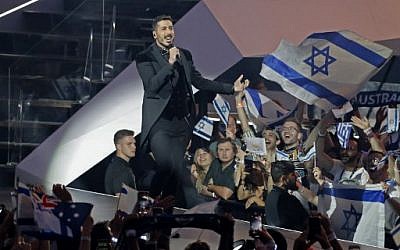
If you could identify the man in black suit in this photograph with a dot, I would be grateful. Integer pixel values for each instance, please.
(168, 74)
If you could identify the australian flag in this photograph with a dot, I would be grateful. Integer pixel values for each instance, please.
(58, 219)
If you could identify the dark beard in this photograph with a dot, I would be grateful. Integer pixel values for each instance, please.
(291, 185)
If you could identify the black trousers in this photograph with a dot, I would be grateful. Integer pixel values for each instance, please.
(168, 141)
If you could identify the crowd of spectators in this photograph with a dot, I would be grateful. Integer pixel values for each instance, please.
(281, 185)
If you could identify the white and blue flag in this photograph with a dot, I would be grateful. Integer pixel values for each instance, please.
(393, 120)
(222, 107)
(326, 69)
(343, 131)
(357, 212)
(25, 218)
(127, 200)
(204, 128)
(302, 157)
(260, 106)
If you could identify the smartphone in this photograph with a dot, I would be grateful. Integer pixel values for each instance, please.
(314, 226)
(255, 225)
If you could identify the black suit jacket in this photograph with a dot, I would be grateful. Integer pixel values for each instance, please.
(157, 77)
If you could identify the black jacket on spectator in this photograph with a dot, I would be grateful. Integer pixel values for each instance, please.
(118, 172)
(284, 210)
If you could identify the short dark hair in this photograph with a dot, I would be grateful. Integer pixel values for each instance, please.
(255, 177)
(292, 119)
(121, 134)
(281, 168)
(159, 19)
(223, 140)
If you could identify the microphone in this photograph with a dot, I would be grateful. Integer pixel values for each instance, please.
(177, 57)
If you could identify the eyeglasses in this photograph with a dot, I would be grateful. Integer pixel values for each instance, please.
(290, 129)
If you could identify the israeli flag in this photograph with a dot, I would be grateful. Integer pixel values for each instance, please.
(204, 128)
(222, 107)
(127, 200)
(259, 105)
(309, 156)
(326, 69)
(393, 120)
(357, 213)
(343, 131)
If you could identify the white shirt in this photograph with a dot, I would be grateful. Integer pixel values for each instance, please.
(358, 177)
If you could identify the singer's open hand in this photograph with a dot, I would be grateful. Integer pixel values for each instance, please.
(240, 84)
(173, 55)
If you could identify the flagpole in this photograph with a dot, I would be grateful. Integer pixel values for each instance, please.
(315, 157)
(119, 198)
(16, 201)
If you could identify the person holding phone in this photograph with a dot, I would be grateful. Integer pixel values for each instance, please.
(168, 73)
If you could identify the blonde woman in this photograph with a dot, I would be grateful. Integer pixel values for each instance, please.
(201, 162)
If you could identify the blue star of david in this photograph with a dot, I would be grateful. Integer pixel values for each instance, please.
(322, 68)
(350, 226)
(223, 109)
(201, 125)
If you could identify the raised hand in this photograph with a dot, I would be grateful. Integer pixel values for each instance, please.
(240, 84)
(62, 193)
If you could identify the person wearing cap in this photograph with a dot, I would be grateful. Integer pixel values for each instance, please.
(281, 208)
